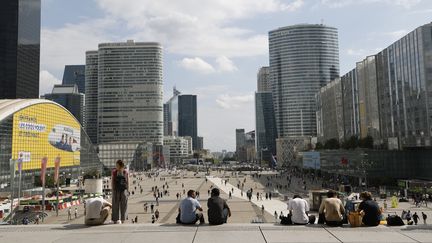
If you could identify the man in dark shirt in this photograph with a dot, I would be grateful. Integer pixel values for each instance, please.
(370, 208)
(218, 210)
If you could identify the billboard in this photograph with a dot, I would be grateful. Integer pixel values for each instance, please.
(311, 160)
(45, 130)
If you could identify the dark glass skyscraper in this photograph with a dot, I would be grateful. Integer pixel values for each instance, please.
(266, 132)
(75, 74)
(187, 118)
(19, 48)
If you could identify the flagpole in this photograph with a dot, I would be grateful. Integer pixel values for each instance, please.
(12, 175)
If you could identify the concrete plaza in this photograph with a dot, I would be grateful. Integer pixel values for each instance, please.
(238, 229)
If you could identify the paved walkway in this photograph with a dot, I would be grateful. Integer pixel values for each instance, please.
(270, 206)
(258, 233)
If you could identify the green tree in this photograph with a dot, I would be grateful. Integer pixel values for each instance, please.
(332, 143)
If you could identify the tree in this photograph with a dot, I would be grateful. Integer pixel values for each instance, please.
(332, 144)
(319, 146)
(366, 142)
(351, 143)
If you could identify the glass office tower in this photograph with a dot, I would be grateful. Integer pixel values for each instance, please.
(19, 48)
(303, 58)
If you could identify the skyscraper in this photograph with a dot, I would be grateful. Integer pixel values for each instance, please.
(263, 80)
(130, 92)
(70, 98)
(19, 48)
(266, 132)
(91, 98)
(241, 145)
(187, 118)
(303, 58)
(75, 74)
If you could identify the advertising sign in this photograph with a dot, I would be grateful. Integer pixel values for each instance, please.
(56, 168)
(311, 160)
(45, 130)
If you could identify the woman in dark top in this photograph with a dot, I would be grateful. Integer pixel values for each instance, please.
(370, 209)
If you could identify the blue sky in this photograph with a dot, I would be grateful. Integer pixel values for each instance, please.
(214, 48)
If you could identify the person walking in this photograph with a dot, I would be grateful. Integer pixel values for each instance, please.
(120, 189)
(415, 217)
(424, 216)
(69, 213)
(76, 212)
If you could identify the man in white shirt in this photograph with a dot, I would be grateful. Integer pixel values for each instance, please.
(190, 210)
(97, 211)
(298, 208)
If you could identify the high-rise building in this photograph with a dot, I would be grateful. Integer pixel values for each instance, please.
(329, 115)
(303, 58)
(19, 48)
(241, 145)
(171, 116)
(75, 74)
(266, 132)
(70, 98)
(130, 92)
(263, 80)
(91, 97)
(187, 118)
(200, 145)
(387, 96)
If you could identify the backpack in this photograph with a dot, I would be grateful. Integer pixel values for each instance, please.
(120, 182)
(286, 220)
(394, 220)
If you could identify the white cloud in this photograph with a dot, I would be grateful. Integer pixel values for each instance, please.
(46, 82)
(229, 102)
(191, 27)
(225, 64)
(343, 3)
(67, 45)
(197, 64)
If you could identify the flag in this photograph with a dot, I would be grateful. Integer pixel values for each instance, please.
(57, 168)
(43, 169)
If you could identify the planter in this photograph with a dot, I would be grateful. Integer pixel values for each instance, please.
(93, 186)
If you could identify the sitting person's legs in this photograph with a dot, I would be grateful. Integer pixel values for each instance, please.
(334, 223)
(312, 219)
(200, 217)
(225, 214)
(101, 220)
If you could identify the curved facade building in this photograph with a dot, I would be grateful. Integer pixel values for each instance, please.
(303, 58)
(130, 92)
(33, 130)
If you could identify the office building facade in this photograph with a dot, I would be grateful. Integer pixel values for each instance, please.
(265, 122)
(263, 80)
(70, 98)
(388, 95)
(91, 98)
(20, 22)
(130, 92)
(75, 74)
(303, 58)
(187, 118)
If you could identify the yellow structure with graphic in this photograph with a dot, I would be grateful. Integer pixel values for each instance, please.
(45, 130)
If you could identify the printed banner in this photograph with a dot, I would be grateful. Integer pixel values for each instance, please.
(57, 168)
(43, 169)
(45, 130)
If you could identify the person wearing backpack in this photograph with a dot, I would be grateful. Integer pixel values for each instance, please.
(120, 192)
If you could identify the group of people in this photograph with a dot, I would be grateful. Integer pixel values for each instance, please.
(190, 210)
(97, 209)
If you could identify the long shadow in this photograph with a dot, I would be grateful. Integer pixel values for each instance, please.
(74, 227)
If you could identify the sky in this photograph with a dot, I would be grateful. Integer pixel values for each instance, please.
(214, 48)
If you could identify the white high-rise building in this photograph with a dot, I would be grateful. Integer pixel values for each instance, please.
(130, 92)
